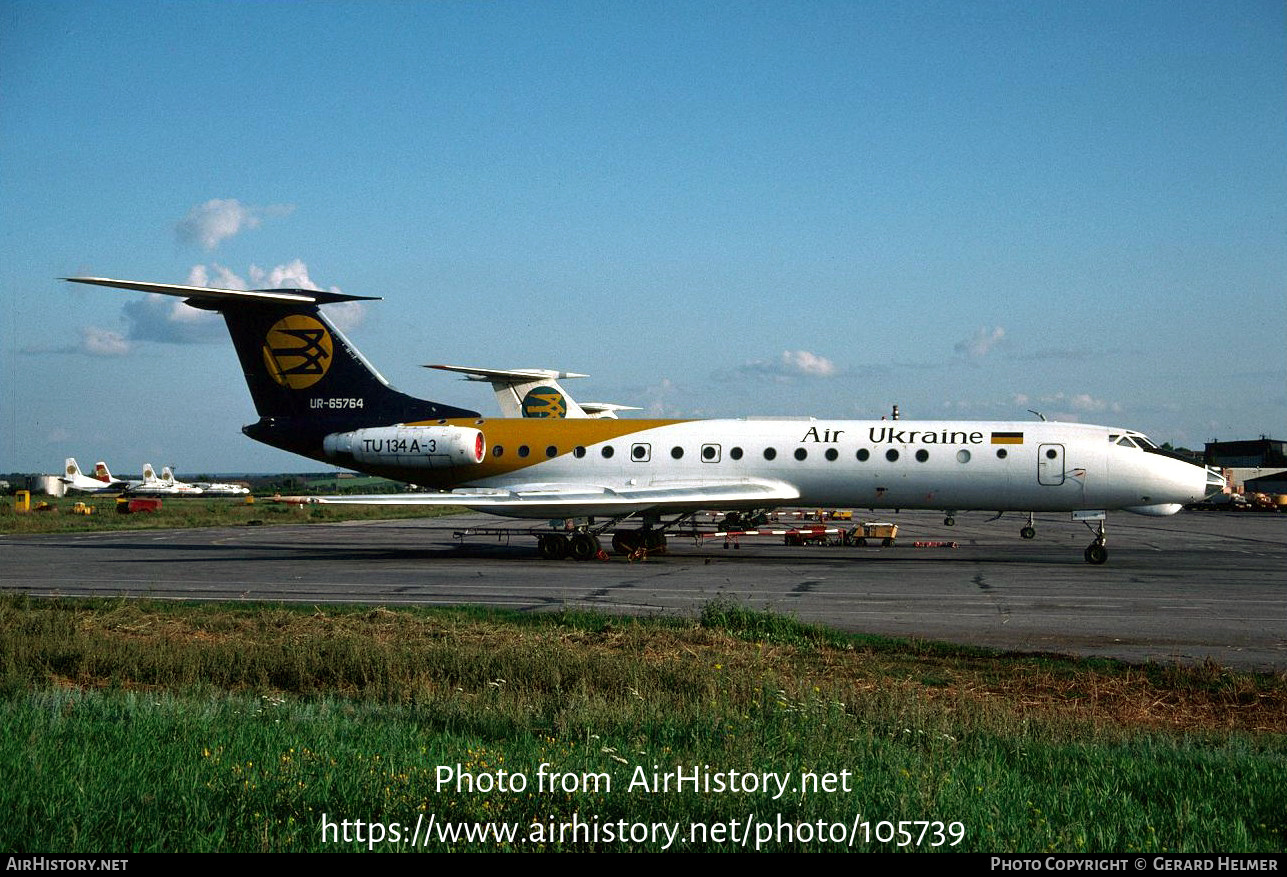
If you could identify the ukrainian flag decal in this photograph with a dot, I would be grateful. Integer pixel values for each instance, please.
(1007, 438)
(544, 402)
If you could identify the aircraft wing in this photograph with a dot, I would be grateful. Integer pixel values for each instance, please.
(575, 500)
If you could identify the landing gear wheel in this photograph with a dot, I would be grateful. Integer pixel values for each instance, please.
(1028, 532)
(1096, 553)
(731, 521)
(949, 521)
(553, 546)
(654, 541)
(627, 541)
(583, 546)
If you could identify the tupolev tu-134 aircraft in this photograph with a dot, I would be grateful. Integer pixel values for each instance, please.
(317, 396)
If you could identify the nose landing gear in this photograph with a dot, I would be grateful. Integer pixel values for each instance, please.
(1029, 532)
(1096, 553)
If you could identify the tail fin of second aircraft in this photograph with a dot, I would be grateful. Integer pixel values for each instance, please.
(306, 379)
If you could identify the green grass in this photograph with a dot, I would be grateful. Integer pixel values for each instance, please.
(127, 725)
(193, 512)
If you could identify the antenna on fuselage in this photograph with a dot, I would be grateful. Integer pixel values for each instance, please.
(1039, 414)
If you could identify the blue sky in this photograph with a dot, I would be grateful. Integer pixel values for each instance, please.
(714, 209)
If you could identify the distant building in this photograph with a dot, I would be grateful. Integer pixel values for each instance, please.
(1260, 453)
(1255, 466)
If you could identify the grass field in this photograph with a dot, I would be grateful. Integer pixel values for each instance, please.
(59, 517)
(132, 726)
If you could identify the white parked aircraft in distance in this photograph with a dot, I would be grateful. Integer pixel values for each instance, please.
(101, 481)
(535, 392)
(211, 488)
(165, 485)
(318, 396)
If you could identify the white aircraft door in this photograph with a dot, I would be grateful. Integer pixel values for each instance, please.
(1050, 465)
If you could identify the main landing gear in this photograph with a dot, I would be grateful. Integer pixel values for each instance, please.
(639, 543)
(583, 543)
(579, 545)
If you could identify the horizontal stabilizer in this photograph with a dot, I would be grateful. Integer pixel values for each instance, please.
(227, 296)
(512, 375)
(605, 408)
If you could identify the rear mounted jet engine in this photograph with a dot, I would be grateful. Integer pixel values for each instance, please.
(422, 447)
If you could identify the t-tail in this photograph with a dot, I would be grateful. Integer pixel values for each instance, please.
(306, 379)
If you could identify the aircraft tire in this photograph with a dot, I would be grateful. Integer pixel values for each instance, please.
(654, 541)
(626, 541)
(553, 546)
(583, 546)
(1028, 532)
(1096, 554)
(949, 521)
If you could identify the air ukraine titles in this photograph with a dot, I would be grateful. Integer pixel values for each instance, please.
(889, 435)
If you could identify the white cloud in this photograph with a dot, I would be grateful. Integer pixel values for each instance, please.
(1073, 405)
(980, 344)
(218, 219)
(224, 278)
(158, 317)
(346, 315)
(1087, 402)
(791, 364)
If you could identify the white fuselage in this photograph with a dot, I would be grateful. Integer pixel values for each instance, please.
(946, 465)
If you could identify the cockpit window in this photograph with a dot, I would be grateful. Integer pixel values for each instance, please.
(1113, 437)
(1125, 442)
(1143, 442)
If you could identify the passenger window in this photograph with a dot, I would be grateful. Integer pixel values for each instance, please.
(770, 453)
(801, 453)
(522, 450)
(607, 452)
(922, 455)
(832, 454)
(498, 451)
(891, 455)
(863, 455)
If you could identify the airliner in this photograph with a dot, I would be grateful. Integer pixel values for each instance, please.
(100, 482)
(165, 485)
(317, 396)
(535, 392)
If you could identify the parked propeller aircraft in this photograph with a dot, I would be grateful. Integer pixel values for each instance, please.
(101, 481)
(317, 396)
(166, 485)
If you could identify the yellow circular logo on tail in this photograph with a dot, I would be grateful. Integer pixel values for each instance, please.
(544, 402)
(297, 351)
